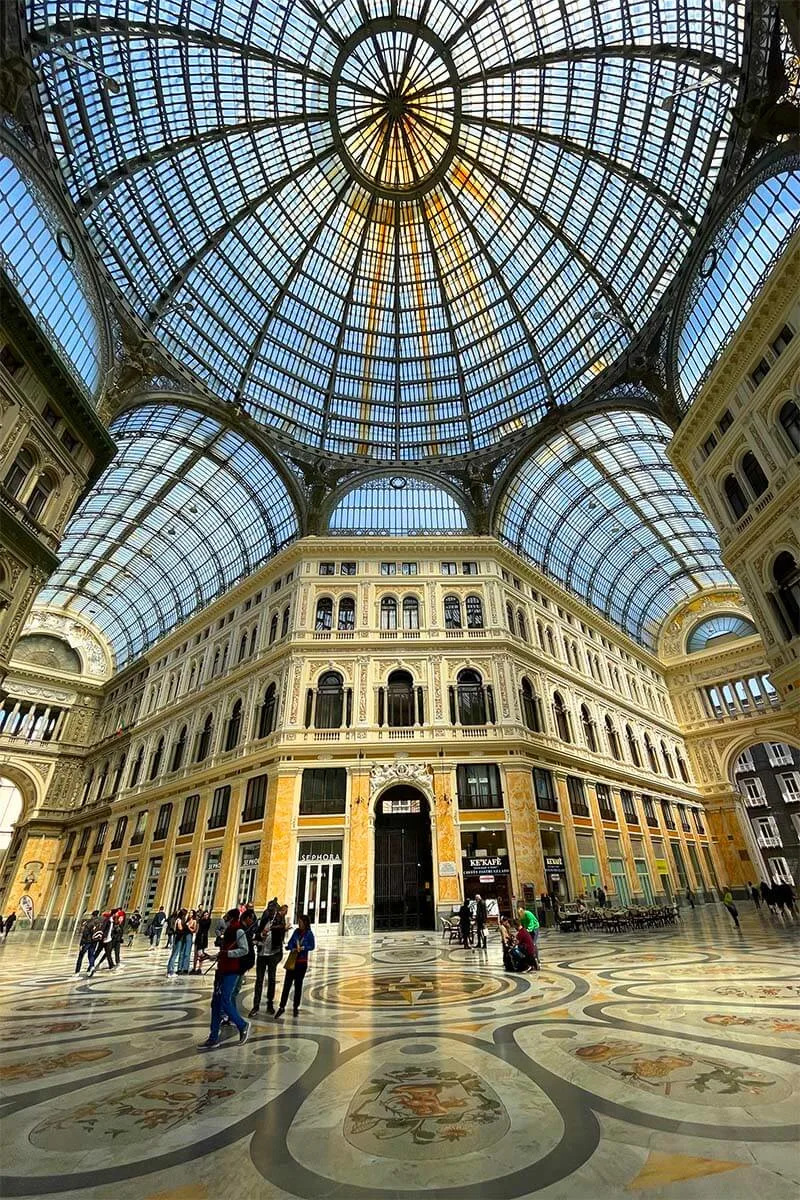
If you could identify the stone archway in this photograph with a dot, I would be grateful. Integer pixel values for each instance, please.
(403, 894)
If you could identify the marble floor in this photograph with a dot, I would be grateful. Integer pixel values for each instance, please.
(663, 1064)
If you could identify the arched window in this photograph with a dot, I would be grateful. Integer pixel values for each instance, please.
(330, 701)
(324, 617)
(452, 612)
(19, 471)
(346, 619)
(522, 625)
(101, 782)
(651, 754)
(87, 787)
(667, 757)
(42, 491)
(789, 417)
(136, 768)
(118, 774)
(242, 648)
(473, 699)
(540, 634)
(683, 770)
(285, 622)
(737, 501)
(612, 738)
(273, 628)
(531, 708)
(751, 468)
(179, 749)
(561, 717)
(155, 761)
(204, 740)
(216, 662)
(786, 575)
(510, 619)
(551, 645)
(474, 611)
(233, 728)
(633, 747)
(253, 640)
(266, 715)
(388, 613)
(192, 676)
(589, 735)
(400, 700)
(410, 612)
(225, 650)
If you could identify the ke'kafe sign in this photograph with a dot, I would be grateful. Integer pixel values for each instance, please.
(494, 865)
(553, 864)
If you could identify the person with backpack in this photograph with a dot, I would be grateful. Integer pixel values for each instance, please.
(134, 921)
(156, 925)
(117, 934)
(247, 920)
(233, 952)
(88, 942)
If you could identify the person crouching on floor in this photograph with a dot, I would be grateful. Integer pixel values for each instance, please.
(234, 950)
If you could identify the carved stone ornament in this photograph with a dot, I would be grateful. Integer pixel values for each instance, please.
(94, 656)
(416, 774)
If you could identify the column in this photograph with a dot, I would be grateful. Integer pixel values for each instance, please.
(599, 838)
(230, 851)
(279, 835)
(527, 846)
(357, 886)
(569, 840)
(448, 840)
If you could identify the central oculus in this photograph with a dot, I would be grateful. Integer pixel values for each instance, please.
(395, 104)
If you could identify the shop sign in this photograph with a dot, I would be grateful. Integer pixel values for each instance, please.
(319, 858)
(249, 862)
(554, 863)
(478, 866)
(448, 869)
(486, 878)
(662, 866)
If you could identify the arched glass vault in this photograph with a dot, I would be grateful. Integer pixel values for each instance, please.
(397, 505)
(393, 232)
(600, 508)
(186, 508)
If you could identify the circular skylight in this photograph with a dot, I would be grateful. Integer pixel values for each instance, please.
(397, 232)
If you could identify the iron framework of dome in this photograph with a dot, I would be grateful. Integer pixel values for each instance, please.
(396, 230)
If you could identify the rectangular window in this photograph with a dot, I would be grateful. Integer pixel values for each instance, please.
(790, 785)
(469, 568)
(544, 790)
(51, 417)
(605, 802)
(629, 807)
(782, 340)
(388, 568)
(219, 807)
(576, 790)
(255, 798)
(327, 568)
(162, 823)
(137, 837)
(478, 785)
(449, 568)
(684, 818)
(248, 871)
(9, 360)
(119, 833)
(408, 568)
(779, 754)
(780, 871)
(753, 791)
(709, 444)
(698, 820)
(650, 812)
(208, 888)
(101, 837)
(761, 371)
(725, 421)
(70, 842)
(323, 791)
(347, 568)
(129, 880)
(666, 809)
(189, 816)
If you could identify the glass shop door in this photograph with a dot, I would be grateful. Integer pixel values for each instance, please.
(319, 887)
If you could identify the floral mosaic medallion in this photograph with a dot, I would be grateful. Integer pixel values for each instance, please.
(414, 988)
(24, 1032)
(763, 991)
(789, 1025)
(52, 1064)
(126, 1116)
(683, 1075)
(426, 1111)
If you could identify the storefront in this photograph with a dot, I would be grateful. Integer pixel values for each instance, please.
(619, 877)
(662, 868)
(248, 872)
(318, 892)
(590, 871)
(555, 867)
(645, 884)
(485, 869)
(680, 864)
(179, 883)
(208, 888)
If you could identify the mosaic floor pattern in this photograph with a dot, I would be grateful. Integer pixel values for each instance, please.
(663, 1064)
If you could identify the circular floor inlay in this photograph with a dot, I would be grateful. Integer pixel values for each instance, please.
(417, 989)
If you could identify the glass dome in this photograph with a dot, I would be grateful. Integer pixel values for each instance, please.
(39, 259)
(393, 231)
(735, 267)
(600, 508)
(186, 509)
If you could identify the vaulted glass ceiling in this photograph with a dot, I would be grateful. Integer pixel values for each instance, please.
(600, 508)
(186, 508)
(397, 505)
(392, 228)
(717, 629)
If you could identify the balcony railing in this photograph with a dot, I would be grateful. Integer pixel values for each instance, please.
(755, 801)
(769, 840)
